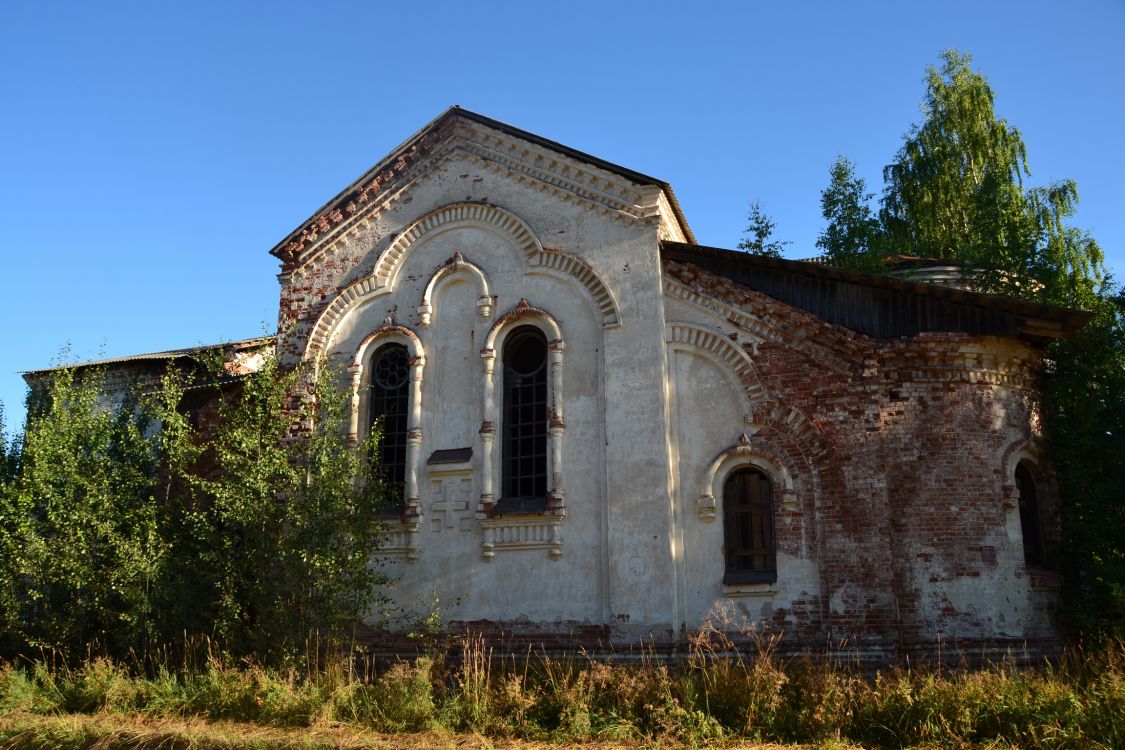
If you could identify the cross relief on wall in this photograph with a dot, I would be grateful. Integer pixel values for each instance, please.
(451, 501)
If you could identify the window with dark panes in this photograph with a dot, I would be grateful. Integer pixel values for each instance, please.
(1034, 548)
(525, 421)
(390, 391)
(751, 556)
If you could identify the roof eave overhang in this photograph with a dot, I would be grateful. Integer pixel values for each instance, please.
(1041, 322)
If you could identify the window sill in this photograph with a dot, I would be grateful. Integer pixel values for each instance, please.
(738, 590)
(523, 532)
(522, 507)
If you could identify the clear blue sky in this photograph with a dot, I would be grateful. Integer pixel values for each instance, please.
(151, 153)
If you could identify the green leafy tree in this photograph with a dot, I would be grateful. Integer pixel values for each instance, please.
(9, 453)
(78, 521)
(851, 238)
(1084, 391)
(759, 230)
(954, 189)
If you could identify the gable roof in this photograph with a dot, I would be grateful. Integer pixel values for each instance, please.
(408, 146)
(881, 306)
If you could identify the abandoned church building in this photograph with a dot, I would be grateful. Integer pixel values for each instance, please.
(605, 432)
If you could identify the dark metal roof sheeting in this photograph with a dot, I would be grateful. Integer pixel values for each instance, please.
(880, 306)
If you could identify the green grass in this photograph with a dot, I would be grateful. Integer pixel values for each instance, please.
(717, 696)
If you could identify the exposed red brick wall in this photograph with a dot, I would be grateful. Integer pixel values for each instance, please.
(913, 485)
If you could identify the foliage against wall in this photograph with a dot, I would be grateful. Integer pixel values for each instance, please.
(124, 535)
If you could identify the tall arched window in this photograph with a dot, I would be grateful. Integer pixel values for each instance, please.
(525, 422)
(390, 387)
(751, 555)
(1034, 546)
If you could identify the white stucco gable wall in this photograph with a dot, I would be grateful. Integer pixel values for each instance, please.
(597, 276)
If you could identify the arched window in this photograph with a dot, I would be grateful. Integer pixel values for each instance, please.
(751, 556)
(390, 387)
(525, 422)
(1034, 547)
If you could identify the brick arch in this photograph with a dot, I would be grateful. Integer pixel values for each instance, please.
(349, 298)
(735, 360)
(793, 424)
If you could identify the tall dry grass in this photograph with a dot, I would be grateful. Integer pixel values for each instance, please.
(718, 693)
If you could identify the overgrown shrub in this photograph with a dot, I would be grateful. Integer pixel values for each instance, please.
(124, 525)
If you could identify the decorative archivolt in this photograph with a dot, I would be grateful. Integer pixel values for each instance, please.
(737, 361)
(382, 280)
(554, 259)
(459, 215)
(740, 455)
(522, 312)
(456, 264)
(351, 296)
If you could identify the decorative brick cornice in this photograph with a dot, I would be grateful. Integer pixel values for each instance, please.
(548, 171)
(356, 202)
(959, 358)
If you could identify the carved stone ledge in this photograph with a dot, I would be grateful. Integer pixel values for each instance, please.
(526, 533)
(400, 539)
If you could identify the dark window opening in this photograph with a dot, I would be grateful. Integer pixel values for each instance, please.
(1031, 522)
(390, 390)
(525, 423)
(748, 537)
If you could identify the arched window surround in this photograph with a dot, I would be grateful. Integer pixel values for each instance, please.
(523, 314)
(360, 405)
(1028, 456)
(743, 455)
(457, 265)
